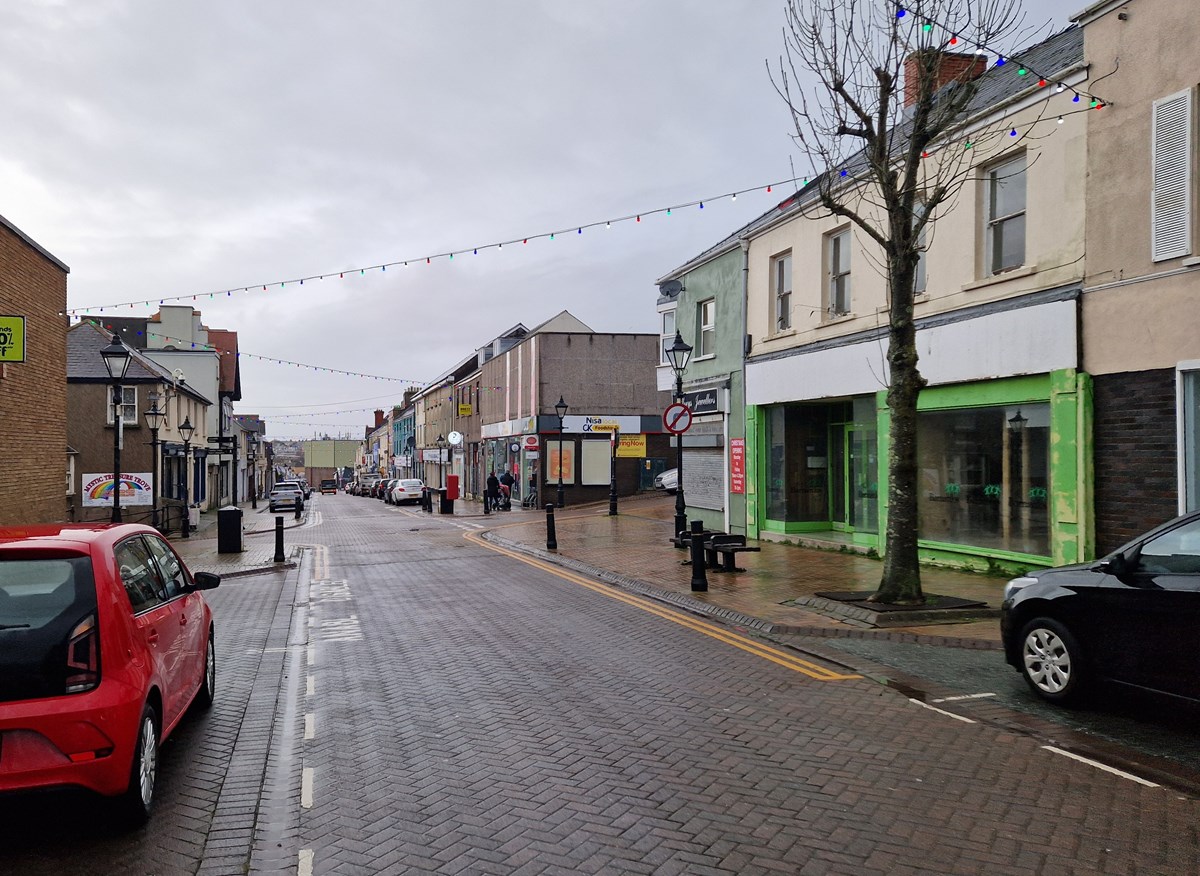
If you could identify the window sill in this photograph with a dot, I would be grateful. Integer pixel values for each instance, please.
(1192, 262)
(837, 320)
(786, 333)
(704, 358)
(919, 298)
(1014, 274)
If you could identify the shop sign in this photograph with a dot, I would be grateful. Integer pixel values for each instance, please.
(12, 339)
(465, 410)
(601, 425)
(632, 447)
(135, 490)
(707, 401)
(737, 465)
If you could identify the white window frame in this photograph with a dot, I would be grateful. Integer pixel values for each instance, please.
(1172, 135)
(666, 336)
(838, 287)
(70, 474)
(1185, 418)
(781, 282)
(129, 407)
(706, 328)
(993, 223)
(921, 275)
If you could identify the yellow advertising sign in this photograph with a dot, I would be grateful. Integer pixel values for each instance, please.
(464, 410)
(604, 427)
(632, 446)
(12, 339)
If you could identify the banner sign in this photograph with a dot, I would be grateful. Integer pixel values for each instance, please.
(737, 465)
(632, 447)
(12, 339)
(97, 490)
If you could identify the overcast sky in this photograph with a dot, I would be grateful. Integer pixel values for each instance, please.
(180, 148)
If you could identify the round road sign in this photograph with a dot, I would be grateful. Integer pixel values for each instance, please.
(677, 418)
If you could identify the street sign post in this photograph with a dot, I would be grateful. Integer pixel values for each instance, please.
(677, 418)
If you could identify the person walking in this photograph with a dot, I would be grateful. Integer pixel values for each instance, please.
(493, 490)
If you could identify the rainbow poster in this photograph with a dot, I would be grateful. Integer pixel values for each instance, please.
(97, 490)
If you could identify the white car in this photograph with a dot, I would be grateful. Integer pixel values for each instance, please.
(668, 480)
(406, 490)
(288, 496)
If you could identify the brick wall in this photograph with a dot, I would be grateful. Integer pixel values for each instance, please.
(1135, 454)
(33, 394)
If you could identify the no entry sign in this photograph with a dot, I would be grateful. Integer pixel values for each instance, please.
(677, 418)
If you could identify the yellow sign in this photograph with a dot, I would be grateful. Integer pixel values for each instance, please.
(605, 427)
(632, 446)
(12, 339)
(464, 410)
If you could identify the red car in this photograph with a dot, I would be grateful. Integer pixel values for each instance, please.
(105, 640)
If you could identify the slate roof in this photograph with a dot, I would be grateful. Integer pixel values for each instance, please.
(995, 86)
(84, 364)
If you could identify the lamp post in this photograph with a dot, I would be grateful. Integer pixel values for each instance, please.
(116, 358)
(154, 419)
(252, 446)
(186, 429)
(614, 438)
(561, 410)
(678, 355)
(441, 445)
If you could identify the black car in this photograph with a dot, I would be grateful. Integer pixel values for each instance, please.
(1130, 618)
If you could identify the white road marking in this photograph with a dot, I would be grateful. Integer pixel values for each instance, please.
(312, 686)
(310, 726)
(306, 788)
(941, 711)
(312, 655)
(977, 696)
(1102, 766)
(304, 866)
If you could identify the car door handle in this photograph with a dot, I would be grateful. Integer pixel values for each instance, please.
(152, 636)
(183, 620)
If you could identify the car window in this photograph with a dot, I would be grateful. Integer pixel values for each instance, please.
(139, 574)
(173, 571)
(1175, 551)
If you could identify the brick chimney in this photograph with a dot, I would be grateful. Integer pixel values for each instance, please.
(952, 67)
(378, 418)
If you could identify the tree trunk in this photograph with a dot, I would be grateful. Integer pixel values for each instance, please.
(901, 581)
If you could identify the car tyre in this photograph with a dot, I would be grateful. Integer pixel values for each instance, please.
(1052, 662)
(208, 683)
(138, 799)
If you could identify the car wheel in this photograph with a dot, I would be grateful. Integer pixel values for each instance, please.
(208, 685)
(1052, 661)
(138, 798)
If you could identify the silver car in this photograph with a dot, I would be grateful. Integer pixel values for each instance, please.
(288, 496)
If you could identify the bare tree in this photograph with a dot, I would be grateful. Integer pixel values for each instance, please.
(885, 128)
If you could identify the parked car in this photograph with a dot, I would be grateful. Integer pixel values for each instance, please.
(406, 490)
(329, 487)
(105, 642)
(1129, 618)
(301, 485)
(377, 489)
(668, 480)
(385, 489)
(285, 495)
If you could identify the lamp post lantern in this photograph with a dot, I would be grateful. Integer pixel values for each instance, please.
(116, 358)
(678, 355)
(252, 446)
(186, 429)
(561, 410)
(154, 419)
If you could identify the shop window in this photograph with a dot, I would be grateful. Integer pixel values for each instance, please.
(984, 477)
(798, 464)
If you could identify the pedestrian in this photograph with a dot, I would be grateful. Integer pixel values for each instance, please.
(493, 490)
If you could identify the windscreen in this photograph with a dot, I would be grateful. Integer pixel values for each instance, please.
(41, 602)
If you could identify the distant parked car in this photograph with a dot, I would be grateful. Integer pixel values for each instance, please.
(406, 490)
(1129, 618)
(385, 489)
(287, 496)
(668, 480)
(329, 486)
(105, 642)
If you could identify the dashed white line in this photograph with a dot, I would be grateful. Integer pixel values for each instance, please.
(1102, 766)
(941, 711)
(304, 867)
(977, 696)
(312, 655)
(312, 686)
(310, 726)
(306, 788)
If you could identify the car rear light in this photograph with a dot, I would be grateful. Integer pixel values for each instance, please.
(83, 656)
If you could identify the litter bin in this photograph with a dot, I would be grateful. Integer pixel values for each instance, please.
(229, 530)
(447, 504)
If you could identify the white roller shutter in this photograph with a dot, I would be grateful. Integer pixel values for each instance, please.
(704, 477)
(1170, 197)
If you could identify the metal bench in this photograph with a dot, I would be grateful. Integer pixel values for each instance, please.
(728, 547)
(684, 539)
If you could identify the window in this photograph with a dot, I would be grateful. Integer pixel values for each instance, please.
(1005, 201)
(668, 335)
(920, 280)
(707, 323)
(1170, 198)
(1188, 407)
(168, 564)
(70, 474)
(838, 258)
(1174, 552)
(139, 575)
(129, 415)
(781, 278)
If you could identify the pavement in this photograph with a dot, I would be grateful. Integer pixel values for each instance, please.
(774, 594)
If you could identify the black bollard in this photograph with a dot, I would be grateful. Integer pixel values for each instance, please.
(551, 535)
(486, 498)
(279, 558)
(298, 509)
(699, 579)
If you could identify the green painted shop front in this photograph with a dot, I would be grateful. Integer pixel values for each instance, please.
(1004, 476)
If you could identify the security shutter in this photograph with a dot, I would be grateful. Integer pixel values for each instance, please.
(704, 477)
(1170, 199)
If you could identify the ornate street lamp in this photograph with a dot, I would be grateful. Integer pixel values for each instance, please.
(561, 410)
(186, 429)
(252, 447)
(116, 358)
(442, 456)
(154, 419)
(678, 355)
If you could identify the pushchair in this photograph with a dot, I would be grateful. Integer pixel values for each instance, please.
(502, 501)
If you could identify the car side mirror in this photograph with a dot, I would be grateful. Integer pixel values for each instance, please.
(1115, 565)
(205, 580)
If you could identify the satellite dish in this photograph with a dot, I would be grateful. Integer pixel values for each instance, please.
(455, 438)
(671, 288)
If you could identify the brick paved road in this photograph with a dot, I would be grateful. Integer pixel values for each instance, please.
(470, 714)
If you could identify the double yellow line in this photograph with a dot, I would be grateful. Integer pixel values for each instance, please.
(750, 646)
